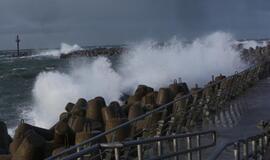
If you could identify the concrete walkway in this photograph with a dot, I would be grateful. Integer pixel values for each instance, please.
(256, 108)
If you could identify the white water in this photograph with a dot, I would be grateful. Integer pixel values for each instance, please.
(194, 63)
(53, 90)
(146, 63)
(253, 44)
(64, 49)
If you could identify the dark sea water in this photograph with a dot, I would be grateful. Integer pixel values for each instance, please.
(17, 79)
(17, 76)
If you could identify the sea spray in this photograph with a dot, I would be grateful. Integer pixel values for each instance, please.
(53, 90)
(154, 65)
(252, 43)
(64, 49)
(146, 63)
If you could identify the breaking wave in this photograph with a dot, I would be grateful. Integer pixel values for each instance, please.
(64, 49)
(147, 63)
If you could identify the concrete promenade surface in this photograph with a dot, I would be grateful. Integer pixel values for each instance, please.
(255, 107)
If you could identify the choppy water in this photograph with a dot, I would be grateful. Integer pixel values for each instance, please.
(17, 76)
(17, 79)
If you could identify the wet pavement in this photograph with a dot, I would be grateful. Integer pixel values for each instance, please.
(243, 119)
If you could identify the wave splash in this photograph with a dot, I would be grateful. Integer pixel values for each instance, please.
(64, 49)
(146, 63)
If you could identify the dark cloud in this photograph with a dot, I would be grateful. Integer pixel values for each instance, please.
(90, 22)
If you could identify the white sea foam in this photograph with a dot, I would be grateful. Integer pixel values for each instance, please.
(53, 90)
(11, 131)
(195, 62)
(64, 49)
(146, 63)
(253, 44)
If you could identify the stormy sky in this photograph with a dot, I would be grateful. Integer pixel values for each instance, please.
(47, 23)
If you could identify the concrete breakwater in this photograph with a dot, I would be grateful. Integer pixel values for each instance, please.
(94, 52)
(251, 54)
(256, 55)
(85, 119)
(174, 109)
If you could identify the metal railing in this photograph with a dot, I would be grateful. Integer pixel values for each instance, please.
(244, 149)
(182, 113)
(163, 147)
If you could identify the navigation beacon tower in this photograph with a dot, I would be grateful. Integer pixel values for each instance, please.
(18, 45)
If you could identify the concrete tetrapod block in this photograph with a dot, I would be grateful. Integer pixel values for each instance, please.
(31, 148)
(20, 134)
(4, 138)
(120, 134)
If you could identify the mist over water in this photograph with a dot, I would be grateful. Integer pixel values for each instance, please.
(146, 63)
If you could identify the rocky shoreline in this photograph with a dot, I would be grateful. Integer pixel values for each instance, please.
(85, 119)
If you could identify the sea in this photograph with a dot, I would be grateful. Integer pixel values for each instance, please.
(17, 76)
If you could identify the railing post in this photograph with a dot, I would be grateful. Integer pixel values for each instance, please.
(236, 151)
(159, 147)
(245, 150)
(175, 148)
(198, 143)
(266, 141)
(116, 153)
(140, 152)
(189, 155)
(254, 149)
(113, 136)
(214, 137)
(263, 144)
(100, 153)
(78, 150)
(171, 123)
(261, 148)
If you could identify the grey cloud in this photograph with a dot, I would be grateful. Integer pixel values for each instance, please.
(88, 22)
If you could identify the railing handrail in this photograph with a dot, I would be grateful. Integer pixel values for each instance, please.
(153, 139)
(162, 107)
(220, 150)
(183, 152)
(132, 143)
(93, 148)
